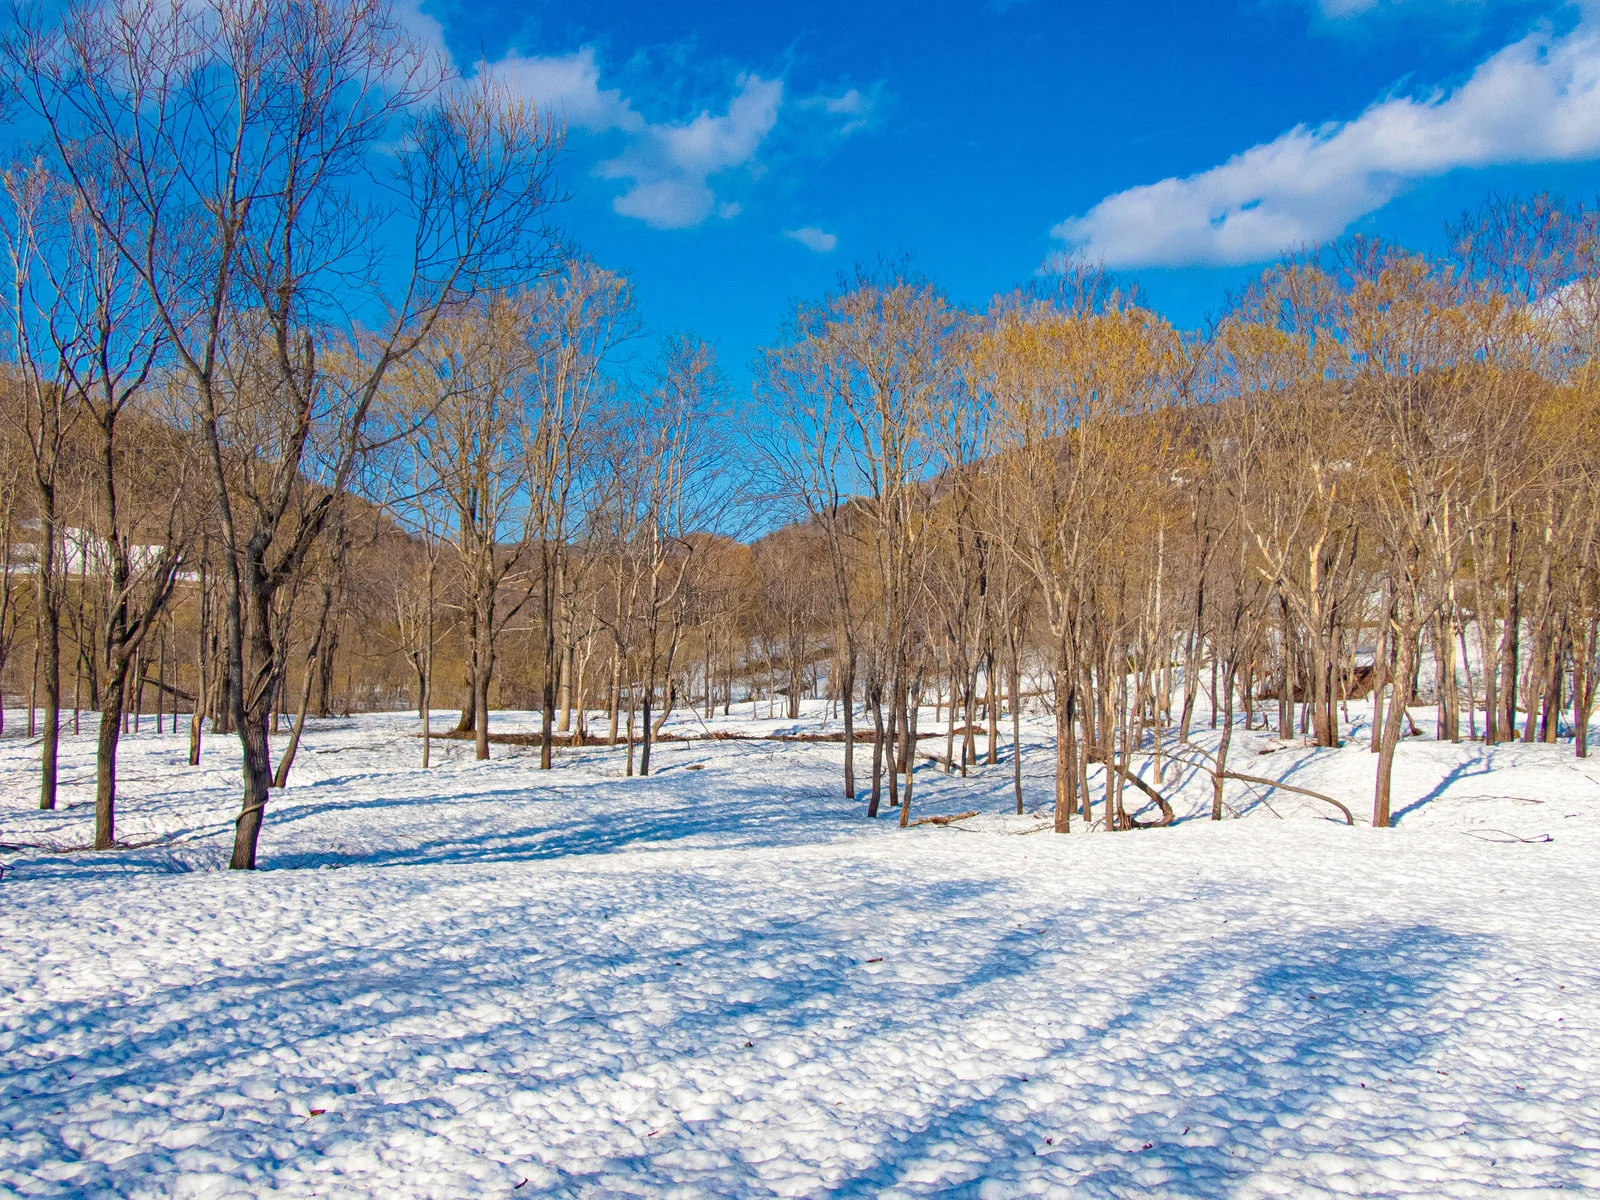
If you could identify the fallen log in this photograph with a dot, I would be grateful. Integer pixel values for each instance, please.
(170, 689)
(943, 820)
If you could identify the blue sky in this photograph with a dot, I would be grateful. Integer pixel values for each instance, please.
(735, 157)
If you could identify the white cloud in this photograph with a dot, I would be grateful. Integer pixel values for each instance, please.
(813, 238)
(851, 103)
(668, 167)
(1537, 100)
(424, 30)
(1339, 10)
(568, 87)
(1346, 8)
(853, 106)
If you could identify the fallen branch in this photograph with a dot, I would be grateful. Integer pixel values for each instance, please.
(1270, 783)
(168, 688)
(46, 848)
(1505, 836)
(1289, 787)
(1161, 801)
(944, 820)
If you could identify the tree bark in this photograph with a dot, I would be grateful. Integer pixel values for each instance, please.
(50, 660)
(480, 713)
(1217, 778)
(1066, 750)
(644, 728)
(1394, 719)
(847, 690)
(313, 658)
(105, 783)
(875, 703)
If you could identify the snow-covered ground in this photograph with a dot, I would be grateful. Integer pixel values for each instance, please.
(483, 980)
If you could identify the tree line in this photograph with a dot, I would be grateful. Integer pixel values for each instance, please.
(309, 407)
(1374, 475)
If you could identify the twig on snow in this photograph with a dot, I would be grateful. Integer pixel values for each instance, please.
(1505, 836)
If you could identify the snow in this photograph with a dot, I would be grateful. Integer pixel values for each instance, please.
(726, 982)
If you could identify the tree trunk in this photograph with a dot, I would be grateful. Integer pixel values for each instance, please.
(969, 717)
(1214, 689)
(161, 679)
(249, 608)
(847, 697)
(33, 683)
(891, 743)
(950, 728)
(990, 695)
(1217, 778)
(1394, 719)
(669, 700)
(616, 695)
(644, 727)
(564, 699)
(1285, 674)
(197, 720)
(50, 666)
(796, 670)
(1016, 727)
(1066, 750)
(1510, 634)
(1446, 684)
(480, 712)
(1484, 601)
(281, 778)
(547, 724)
(875, 702)
(706, 672)
(77, 692)
(326, 662)
(580, 712)
(632, 700)
(549, 598)
(1583, 683)
(257, 781)
(105, 781)
(1324, 666)
(910, 751)
(1383, 652)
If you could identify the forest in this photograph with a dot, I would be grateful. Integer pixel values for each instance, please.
(310, 407)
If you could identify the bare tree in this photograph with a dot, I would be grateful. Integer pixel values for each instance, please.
(1408, 343)
(857, 382)
(273, 154)
(49, 409)
(467, 384)
(101, 340)
(12, 483)
(581, 316)
(666, 474)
